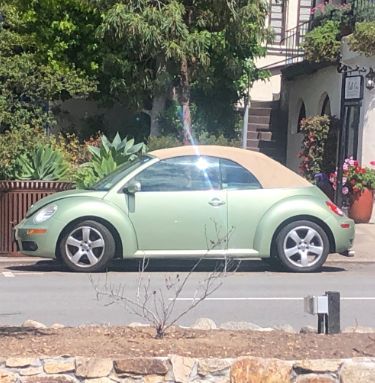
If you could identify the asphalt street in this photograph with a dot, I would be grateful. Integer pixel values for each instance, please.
(44, 291)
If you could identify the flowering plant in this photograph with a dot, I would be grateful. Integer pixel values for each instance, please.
(355, 177)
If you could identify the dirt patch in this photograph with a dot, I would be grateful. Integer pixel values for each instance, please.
(117, 342)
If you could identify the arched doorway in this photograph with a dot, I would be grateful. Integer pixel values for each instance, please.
(301, 116)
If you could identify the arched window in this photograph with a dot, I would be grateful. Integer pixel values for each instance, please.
(326, 107)
(301, 116)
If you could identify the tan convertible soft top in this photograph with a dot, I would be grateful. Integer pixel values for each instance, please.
(270, 173)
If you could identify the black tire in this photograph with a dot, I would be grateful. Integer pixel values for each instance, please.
(302, 246)
(87, 246)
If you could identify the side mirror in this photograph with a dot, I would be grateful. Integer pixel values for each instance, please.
(132, 187)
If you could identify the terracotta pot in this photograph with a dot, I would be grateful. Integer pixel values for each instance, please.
(361, 208)
(15, 198)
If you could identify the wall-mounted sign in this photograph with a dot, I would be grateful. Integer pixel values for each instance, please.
(353, 88)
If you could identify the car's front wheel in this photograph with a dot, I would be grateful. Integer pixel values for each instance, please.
(302, 246)
(87, 246)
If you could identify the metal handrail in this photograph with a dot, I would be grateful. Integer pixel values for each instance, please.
(363, 10)
(293, 40)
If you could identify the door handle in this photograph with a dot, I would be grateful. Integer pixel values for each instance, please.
(216, 202)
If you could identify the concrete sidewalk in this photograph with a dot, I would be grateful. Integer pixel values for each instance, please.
(364, 246)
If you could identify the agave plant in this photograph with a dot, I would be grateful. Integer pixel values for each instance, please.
(44, 163)
(120, 150)
(106, 158)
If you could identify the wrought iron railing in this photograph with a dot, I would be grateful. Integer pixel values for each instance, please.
(293, 42)
(363, 10)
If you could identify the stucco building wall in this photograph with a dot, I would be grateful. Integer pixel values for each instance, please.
(311, 90)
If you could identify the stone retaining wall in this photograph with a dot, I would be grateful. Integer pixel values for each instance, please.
(174, 368)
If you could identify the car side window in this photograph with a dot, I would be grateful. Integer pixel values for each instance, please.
(235, 176)
(186, 173)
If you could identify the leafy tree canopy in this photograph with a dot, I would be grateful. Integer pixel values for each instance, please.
(28, 81)
(155, 47)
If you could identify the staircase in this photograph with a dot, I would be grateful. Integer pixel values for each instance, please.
(263, 133)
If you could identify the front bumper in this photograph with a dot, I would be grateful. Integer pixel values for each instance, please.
(34, 240)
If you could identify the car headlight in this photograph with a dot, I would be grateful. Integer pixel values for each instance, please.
(45, 213)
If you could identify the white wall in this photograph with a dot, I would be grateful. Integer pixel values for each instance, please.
(311, 89)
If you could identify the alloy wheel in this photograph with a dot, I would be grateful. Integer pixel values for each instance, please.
(303, 246)
(85, 246)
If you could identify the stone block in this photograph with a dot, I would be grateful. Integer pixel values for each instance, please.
(315, 378)
(141, 366)
(58, 365)
(204, 324)
(213, 366)
(93, 367)
(184, 368)
(49, 379)
(19, 362)
(31, 371)
(318, 365)
(7, 376)
(258, 370)
(353, 371)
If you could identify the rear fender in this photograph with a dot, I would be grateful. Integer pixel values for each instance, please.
(285, 211)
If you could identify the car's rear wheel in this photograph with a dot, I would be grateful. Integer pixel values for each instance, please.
(87, 246)
(302, 246)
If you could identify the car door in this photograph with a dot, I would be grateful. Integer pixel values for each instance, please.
(180, 208)
(246, 205)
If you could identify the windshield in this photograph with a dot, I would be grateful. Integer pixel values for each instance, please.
(122, 171)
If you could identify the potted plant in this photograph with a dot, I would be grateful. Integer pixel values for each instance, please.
(358, 188)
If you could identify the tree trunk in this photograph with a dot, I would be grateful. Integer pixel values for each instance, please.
(158, 106)
(185, 102)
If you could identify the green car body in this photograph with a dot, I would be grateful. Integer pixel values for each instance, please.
(238, 222)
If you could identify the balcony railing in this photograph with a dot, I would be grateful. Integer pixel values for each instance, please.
(361, 10)
(292, 43)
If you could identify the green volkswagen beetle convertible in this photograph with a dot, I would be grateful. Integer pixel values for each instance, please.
(189, 202)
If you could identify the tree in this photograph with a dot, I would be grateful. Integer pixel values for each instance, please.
(162, 48)
(28, 81)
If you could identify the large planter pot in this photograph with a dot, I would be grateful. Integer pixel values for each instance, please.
(361, 207)
(15, 198)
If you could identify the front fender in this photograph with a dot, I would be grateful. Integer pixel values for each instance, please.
(69, 211)
(286, 209)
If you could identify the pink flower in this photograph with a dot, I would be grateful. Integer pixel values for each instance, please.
(345, 190)
(372, 163)
(345, 166)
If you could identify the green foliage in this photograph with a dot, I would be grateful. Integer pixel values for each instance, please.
(28, 83)
(323, 43)
(319, 136)
(22, 142)
(147, 44)
(43, 163)
(340, 13)
(206, 138)
(363, 38)
(161, 142)
(106, 157)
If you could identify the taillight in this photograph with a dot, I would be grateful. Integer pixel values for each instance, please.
(335, 209)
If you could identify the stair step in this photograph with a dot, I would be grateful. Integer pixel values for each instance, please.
(264, 104)
(262, 135)
(260, 111)
(259, 119)
(261, 144)
(258, 127)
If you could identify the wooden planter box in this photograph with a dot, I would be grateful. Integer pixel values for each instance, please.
(15, 198)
